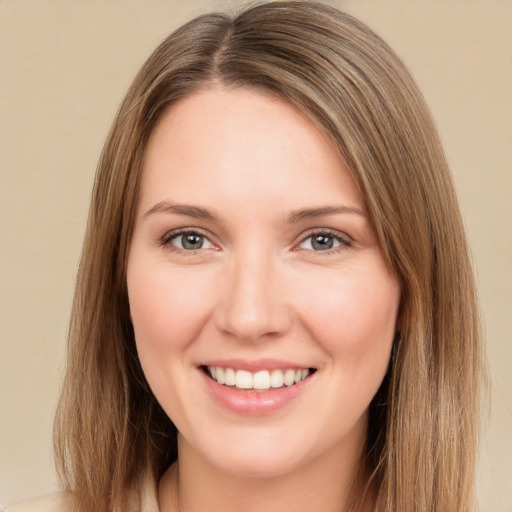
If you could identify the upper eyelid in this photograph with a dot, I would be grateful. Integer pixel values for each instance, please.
(332, 232)
(174, 233)
(180, 231)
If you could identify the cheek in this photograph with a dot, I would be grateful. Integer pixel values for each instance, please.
(354, 321)
(351, 312)
(168, 309)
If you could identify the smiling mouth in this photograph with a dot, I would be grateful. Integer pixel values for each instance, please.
(263, 380)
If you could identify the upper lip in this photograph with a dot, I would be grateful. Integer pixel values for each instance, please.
(254, 365)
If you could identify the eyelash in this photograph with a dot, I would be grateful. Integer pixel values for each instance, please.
(344, 241)
(171, 235)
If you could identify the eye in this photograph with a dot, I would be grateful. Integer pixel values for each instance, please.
(324, 241)
(188, 240)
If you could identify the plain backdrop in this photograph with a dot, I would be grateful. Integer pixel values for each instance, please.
(64, 66)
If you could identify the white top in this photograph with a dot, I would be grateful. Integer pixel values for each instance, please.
(55, 502)
(60, 502)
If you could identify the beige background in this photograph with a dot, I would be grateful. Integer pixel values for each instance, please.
(64, 65)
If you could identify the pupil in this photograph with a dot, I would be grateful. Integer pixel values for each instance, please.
(323, 242)
(192, 241)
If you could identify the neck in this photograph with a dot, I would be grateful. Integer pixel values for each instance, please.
(329, 483)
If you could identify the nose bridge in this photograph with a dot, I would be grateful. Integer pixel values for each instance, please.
(252, 305)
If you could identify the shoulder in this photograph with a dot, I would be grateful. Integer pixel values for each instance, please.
(56, 502)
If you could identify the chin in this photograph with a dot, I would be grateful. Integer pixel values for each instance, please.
(249, 455)
(262, 465)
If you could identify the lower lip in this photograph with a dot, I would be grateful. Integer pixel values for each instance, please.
(254, 403)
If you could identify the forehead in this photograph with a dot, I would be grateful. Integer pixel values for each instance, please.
(242, 144)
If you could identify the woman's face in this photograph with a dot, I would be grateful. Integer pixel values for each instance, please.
(253, 259)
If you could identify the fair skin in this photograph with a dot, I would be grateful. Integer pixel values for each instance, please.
(252, 252)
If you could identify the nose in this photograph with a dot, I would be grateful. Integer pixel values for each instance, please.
(252, 306)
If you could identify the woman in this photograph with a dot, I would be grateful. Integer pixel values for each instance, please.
(275, 305)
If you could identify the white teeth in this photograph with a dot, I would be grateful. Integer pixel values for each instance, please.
(261, 380)
(277, 379)
(243, 379)
(229, 377)
(289, 377)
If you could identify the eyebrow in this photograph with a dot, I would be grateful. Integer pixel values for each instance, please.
(182, 209)
(311, 213)
(199, 212)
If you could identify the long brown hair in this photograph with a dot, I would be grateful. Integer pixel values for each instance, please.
(111, 435)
